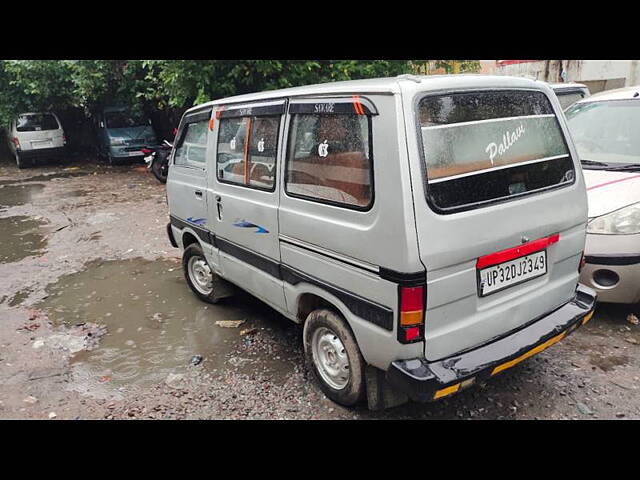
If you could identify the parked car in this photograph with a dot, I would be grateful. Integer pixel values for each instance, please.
(34, 136)
(605, 128)
(569, 93)
(122, 134)
(412, 224)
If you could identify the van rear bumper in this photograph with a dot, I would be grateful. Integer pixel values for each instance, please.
(34, 153)
(424, 381)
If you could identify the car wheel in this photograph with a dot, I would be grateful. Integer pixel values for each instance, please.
(332, 354)
(20, 161)
(198, 273)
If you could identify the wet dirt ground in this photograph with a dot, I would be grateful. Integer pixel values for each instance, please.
(96, 321)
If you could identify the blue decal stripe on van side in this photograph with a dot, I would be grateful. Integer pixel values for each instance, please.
(245, 224)
(197, 221)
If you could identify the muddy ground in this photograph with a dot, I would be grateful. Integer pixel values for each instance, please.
(96, 321)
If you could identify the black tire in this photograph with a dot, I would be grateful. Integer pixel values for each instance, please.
(112, 161)
(355, 389)
(191, 251)
(156, 169)
(20, 163)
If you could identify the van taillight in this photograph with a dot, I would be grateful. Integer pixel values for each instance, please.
(583, 262)
(411, 324)
(16, 142)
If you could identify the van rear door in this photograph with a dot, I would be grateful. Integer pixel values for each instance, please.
(500, 213)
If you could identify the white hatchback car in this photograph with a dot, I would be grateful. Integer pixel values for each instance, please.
(36, 135)
(605, 131)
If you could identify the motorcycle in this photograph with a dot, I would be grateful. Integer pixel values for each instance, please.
(157, 160)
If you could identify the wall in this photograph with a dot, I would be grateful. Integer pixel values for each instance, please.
(596, 74)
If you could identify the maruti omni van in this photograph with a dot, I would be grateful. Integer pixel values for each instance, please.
(123, 133)
(426, 231)
(34, 136)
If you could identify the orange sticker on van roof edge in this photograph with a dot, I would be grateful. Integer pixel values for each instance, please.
(357, 106)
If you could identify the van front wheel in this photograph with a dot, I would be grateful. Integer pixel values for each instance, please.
(198, 273)
(332, 353)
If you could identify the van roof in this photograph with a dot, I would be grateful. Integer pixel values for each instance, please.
(382, 85)
(625, 93)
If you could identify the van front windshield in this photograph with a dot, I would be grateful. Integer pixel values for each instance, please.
(125, 120)
(483, 147)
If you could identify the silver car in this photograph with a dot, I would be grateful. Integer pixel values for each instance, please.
(36, 135)
(605, 128)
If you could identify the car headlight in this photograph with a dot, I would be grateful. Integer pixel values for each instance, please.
(117, 141)
(625, 221)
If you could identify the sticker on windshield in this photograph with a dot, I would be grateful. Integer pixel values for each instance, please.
(468, 148)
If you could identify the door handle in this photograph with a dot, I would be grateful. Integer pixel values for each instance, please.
(219, 206)
(198, 193)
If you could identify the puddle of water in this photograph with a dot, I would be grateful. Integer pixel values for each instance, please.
(156, 325)
(21, 238)
(46, 177)
(12, 195)
(19, 297)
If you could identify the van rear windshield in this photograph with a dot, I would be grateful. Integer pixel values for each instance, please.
(35, 122)
(484, 147)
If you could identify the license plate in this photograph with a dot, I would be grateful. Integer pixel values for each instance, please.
(41, 143)
(507, 274)
(135, 154)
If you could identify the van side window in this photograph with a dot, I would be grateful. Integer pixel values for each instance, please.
(247, 148)
(193, 145)
(329, 159)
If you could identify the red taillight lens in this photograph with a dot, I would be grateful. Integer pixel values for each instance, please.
(411, 325)
(16, 142)
(146, 151)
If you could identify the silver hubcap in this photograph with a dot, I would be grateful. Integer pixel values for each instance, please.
(200, 275)
(330, 358)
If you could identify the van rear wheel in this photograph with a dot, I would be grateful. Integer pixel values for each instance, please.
(332, 353)
(19, 161)
(198, 273)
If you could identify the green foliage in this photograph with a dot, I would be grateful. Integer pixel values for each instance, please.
(90, 84)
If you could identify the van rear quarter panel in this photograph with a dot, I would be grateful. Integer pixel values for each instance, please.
(457, 318)
(384, 236)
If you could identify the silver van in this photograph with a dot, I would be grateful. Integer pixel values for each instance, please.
(34, 136)
(427, 231)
